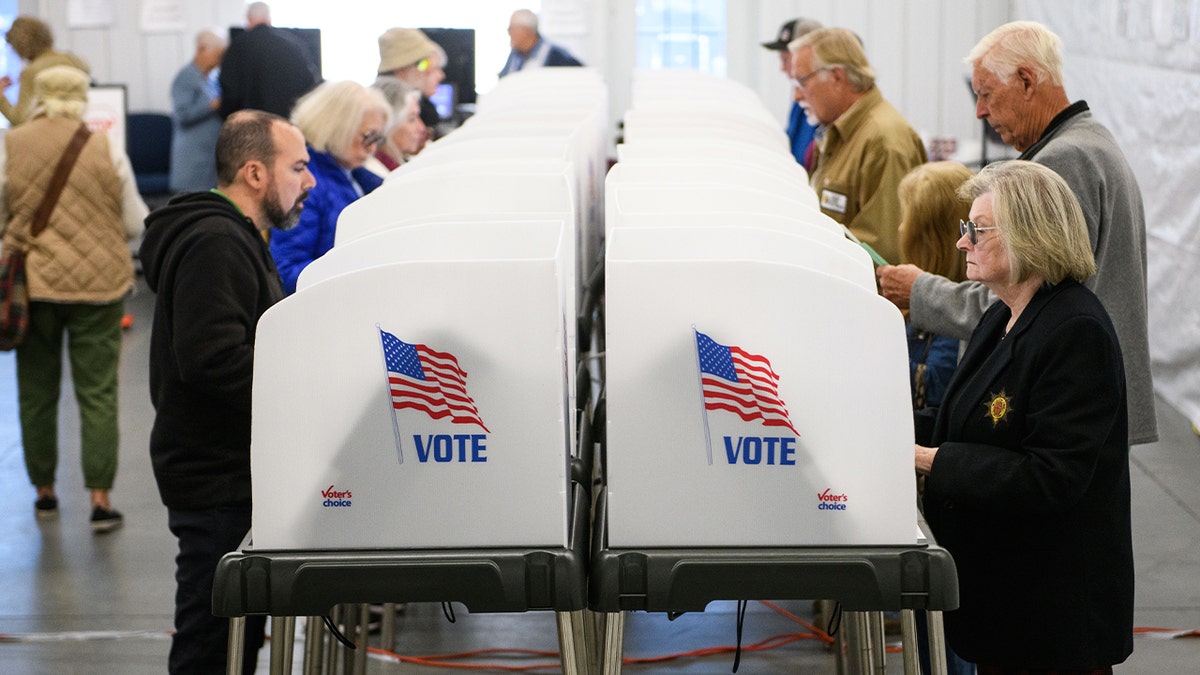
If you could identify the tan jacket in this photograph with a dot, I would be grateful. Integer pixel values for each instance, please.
(863, 156)
(83, 254)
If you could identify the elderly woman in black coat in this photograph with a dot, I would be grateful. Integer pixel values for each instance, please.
(1026, 466)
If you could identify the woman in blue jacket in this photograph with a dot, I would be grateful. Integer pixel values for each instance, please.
(1027, 464)
(343, 123)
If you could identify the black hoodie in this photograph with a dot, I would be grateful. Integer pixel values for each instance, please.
(214, 277)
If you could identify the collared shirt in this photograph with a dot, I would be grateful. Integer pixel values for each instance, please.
(863, 156)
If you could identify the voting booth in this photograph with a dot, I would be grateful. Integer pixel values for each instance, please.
(720, 387)
(416, 397)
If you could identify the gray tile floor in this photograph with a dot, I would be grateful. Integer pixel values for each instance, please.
(74, 602)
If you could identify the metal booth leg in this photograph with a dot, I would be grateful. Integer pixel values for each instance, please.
(858, 642)
(362, 639)
(572, 643)
(908, 640)
(593, 627)
(237, 645)
(878, 652)
(283, 638)
(387, 627)
(614, 636)
(333, 651)
(937, 643)
(314, 645)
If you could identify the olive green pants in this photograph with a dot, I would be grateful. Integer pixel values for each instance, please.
(94, 348)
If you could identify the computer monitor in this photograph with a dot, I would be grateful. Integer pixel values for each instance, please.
(444, 100)
(459, 44)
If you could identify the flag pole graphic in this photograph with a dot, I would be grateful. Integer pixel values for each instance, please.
(703, 408)
(387, 385)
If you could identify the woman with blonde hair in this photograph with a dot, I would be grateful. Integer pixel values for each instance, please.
(1027, 462)
(79, 271)
(929, 210)
(343, 123)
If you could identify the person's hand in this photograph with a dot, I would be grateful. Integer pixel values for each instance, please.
(5, 82)
(923, 458)
(896, 282)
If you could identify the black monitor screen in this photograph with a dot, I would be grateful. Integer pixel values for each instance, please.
(459, 44)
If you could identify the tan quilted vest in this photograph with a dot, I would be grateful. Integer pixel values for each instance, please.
(82, 255)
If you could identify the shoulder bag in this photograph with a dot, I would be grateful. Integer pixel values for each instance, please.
(14, 291)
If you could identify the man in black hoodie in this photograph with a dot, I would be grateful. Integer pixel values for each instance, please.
(206, 258)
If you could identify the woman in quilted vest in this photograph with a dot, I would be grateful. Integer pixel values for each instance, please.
(79, 271)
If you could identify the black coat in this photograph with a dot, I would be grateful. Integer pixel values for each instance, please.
(1029, 490)
(265, 68)
(214, 277)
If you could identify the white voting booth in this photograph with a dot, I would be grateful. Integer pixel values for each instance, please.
(417, 392)
(756, 383)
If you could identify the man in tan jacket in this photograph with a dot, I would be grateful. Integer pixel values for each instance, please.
(867, 146)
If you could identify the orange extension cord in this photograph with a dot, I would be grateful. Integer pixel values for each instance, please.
(450, 660)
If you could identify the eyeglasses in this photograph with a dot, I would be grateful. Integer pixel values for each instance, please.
(970, 229)
(801, 82)
(372, 138)
(423, 65)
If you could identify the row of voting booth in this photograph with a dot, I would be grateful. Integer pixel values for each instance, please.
(522, 381)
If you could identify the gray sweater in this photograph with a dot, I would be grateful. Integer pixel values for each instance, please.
(1087, 156)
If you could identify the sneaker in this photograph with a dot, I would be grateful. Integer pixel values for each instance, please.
(106, 520)
(46, 507)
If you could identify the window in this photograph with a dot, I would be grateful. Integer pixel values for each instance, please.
(686, 34)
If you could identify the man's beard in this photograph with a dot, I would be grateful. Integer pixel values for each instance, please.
(810, 116)
(280, 219)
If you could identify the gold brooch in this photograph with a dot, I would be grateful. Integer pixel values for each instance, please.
(998, 407)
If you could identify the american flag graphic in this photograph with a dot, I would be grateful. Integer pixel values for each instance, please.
(734, 380)
(420, 378)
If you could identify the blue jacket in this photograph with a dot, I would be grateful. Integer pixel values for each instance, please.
(555, 56)
(294, 249)
(800, 133)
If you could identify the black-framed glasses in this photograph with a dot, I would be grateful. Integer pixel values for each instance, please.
(971, 230)
(801, 82)
(372, 139)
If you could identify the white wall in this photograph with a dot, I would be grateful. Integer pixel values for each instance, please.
(916, 48)
(1137, 63)
(122, 54)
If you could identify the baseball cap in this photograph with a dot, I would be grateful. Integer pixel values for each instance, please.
(790, 30)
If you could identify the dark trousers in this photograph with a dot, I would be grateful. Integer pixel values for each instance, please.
(201, 640)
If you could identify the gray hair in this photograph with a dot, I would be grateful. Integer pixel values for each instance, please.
(1019, 43)
(399, 95)
(207, 39)
(525, 18)
(1043, 229)
(258, 12)
(840, 48)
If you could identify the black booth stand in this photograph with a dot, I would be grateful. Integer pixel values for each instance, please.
(310, 583)
(866, 580)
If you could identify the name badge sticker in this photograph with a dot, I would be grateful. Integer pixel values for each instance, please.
(833, 201)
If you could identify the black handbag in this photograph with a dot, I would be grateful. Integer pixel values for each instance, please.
(14, 289)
